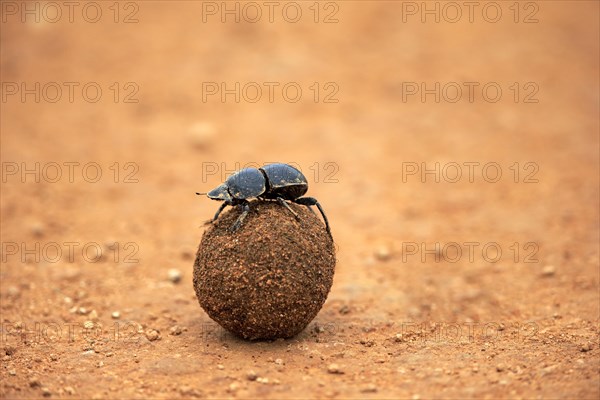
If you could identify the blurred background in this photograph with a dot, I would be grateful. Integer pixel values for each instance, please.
(453, 146)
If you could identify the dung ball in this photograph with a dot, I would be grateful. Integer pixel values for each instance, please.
(268, 279)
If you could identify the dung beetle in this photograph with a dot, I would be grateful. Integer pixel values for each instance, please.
(277, 181)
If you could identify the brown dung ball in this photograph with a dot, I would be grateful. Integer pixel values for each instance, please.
(268, 279)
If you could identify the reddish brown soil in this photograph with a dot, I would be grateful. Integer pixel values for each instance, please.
(407, 316)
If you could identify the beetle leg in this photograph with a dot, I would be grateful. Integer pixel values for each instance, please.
(311, 201)
(286, 205)
(245, 210)
(219, 211)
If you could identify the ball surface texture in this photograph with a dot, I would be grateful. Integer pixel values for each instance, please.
(268, 279)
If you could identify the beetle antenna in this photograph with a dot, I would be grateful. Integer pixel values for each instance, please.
(201, 194)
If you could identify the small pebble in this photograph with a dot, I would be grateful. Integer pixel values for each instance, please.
(174, 275)
(549, 369)
(93, 315)
(279, 361)
(586, 347)
(53, 357)
(188, 391)
(69, 390)
(233, 387)
(201, 134)
(34, 382)
(82, 310)
(251, 376)
(344, 310)
(12, 372)
(548, 270)
(46, 392)
(334, 369)
(9, 350)
(13, 291)
(370, 388)
(37, 229)
(383, 253)
(220, 366)
(175, 330)
(116, 315)
(500, 367)
(152, 335)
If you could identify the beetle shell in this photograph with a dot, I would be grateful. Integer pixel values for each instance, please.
(246, 183)
(285, 181)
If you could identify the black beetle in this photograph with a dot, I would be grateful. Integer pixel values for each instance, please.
(279, 182)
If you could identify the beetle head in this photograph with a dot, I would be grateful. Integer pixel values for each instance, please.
(220, 193)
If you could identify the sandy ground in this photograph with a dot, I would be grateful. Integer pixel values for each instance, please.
(457, 161)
